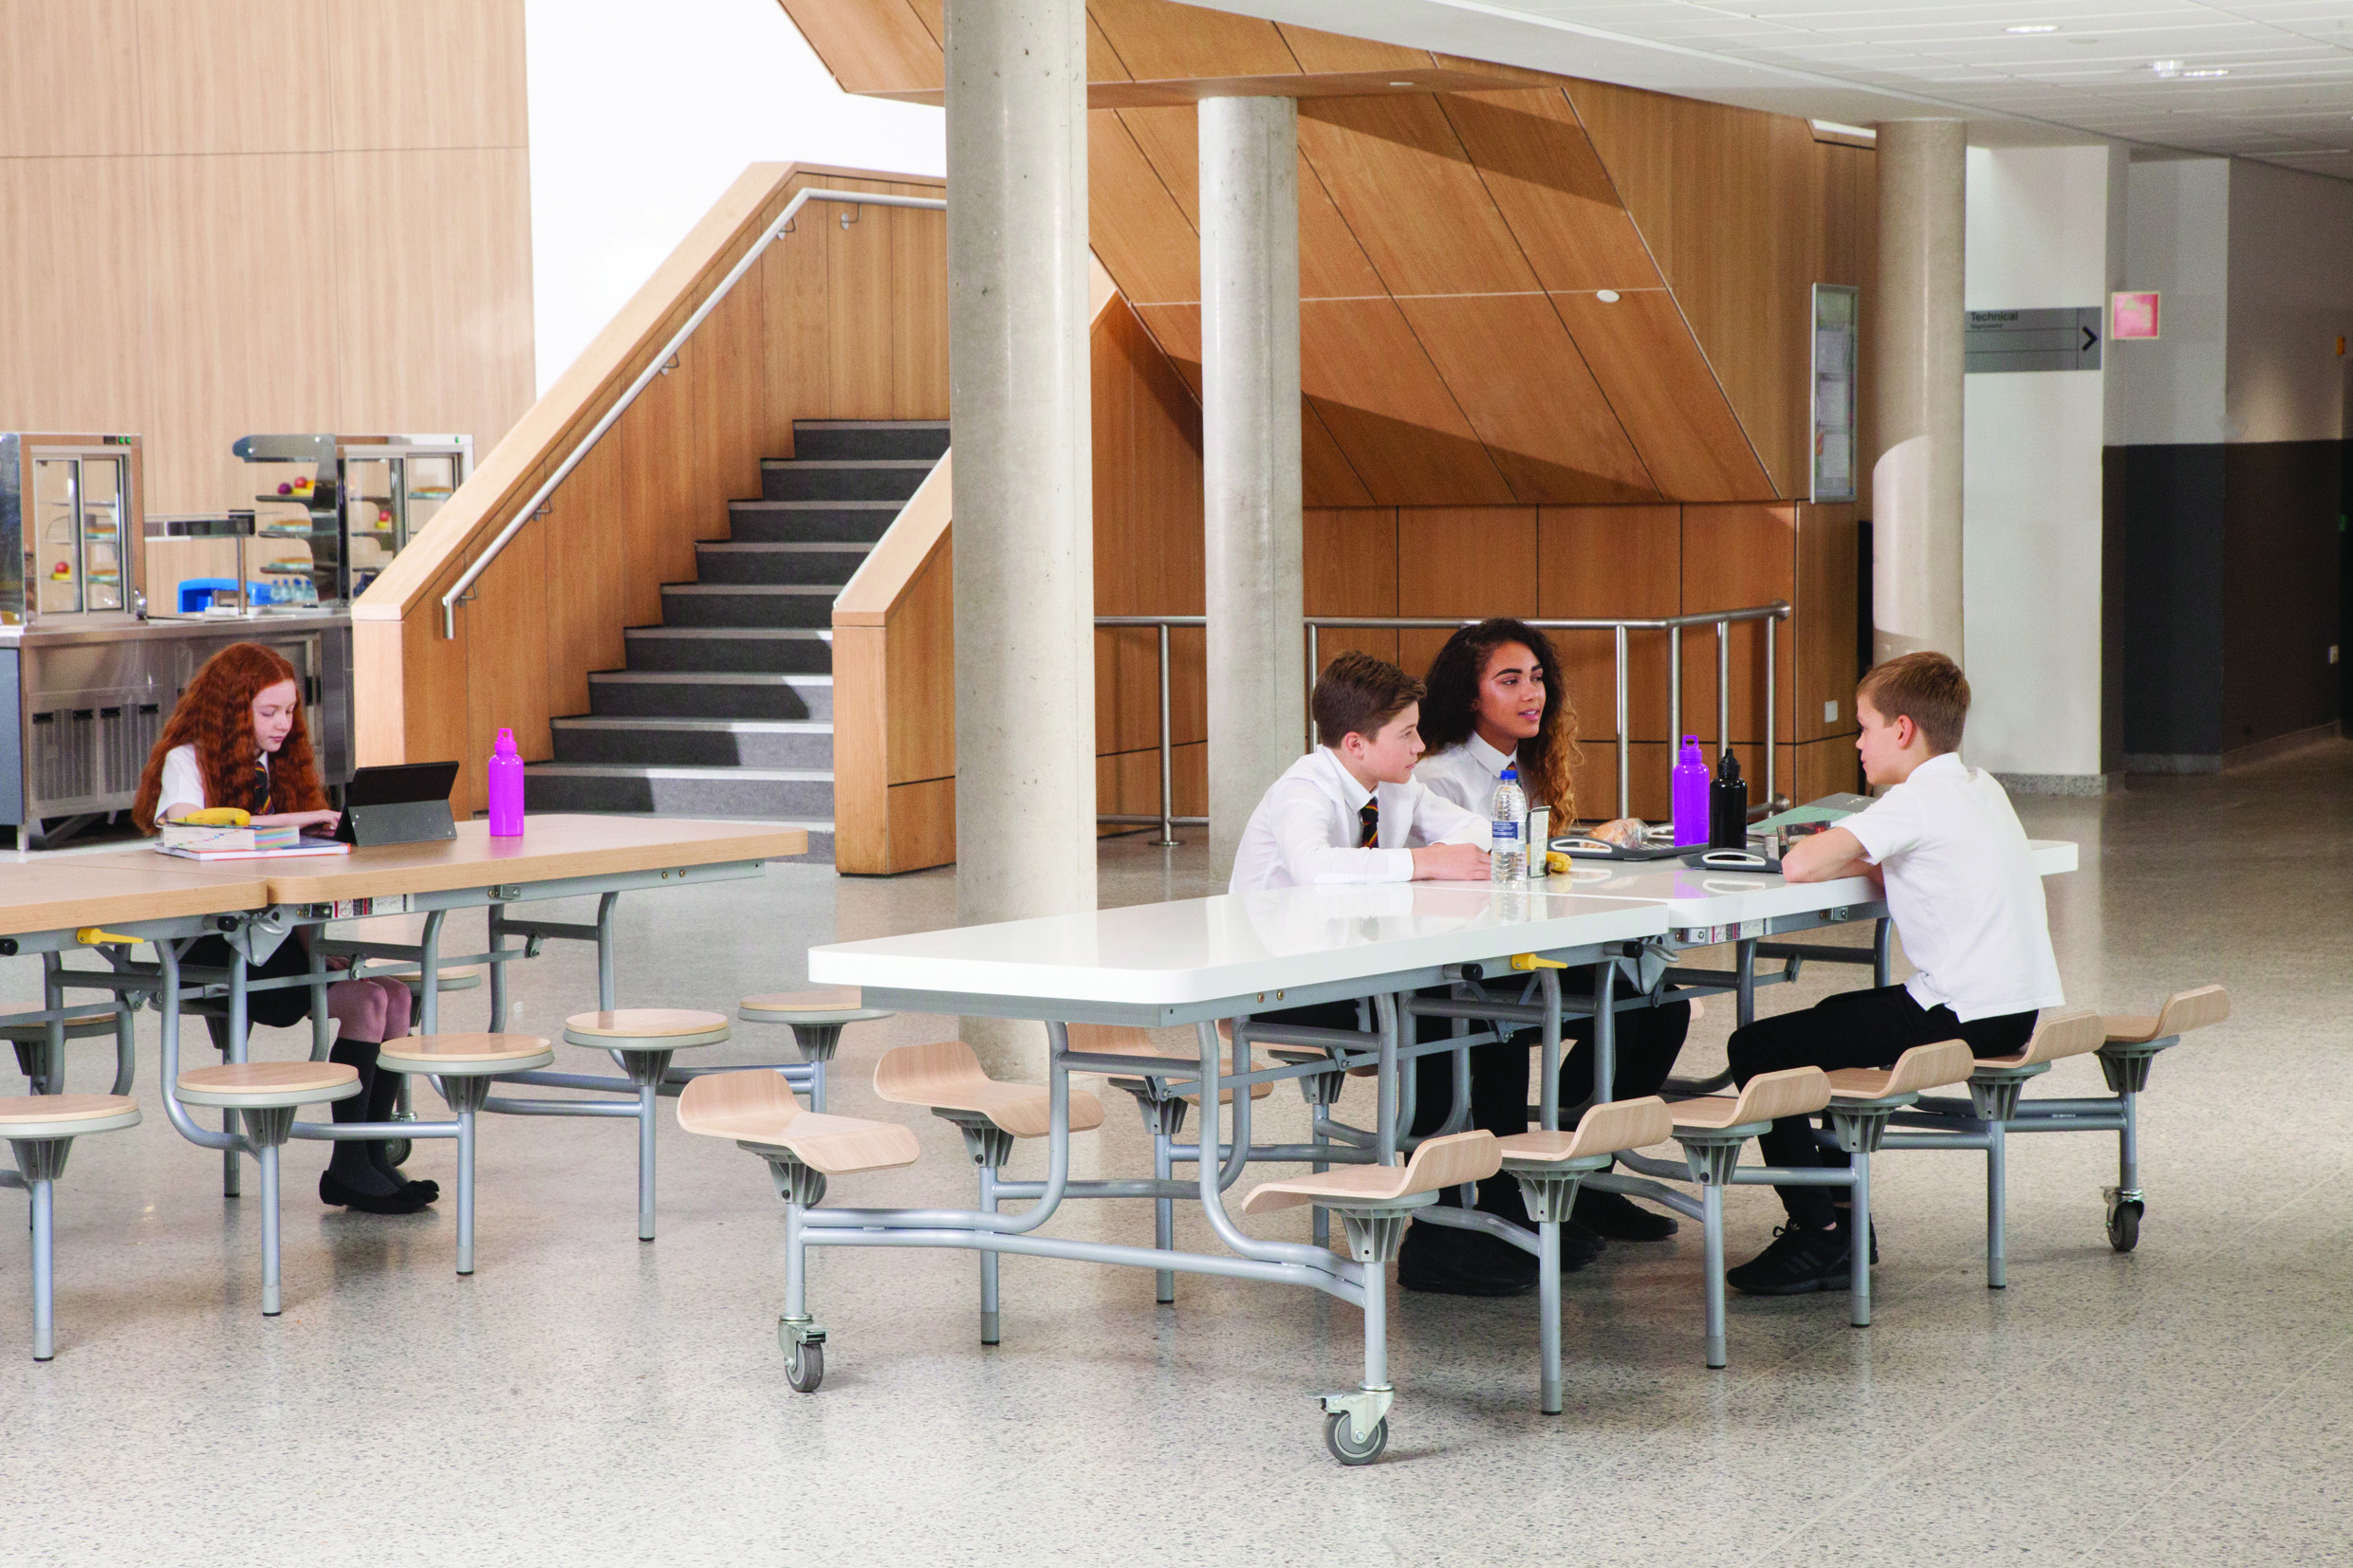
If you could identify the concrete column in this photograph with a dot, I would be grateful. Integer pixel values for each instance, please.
(1024, 539)
(1250, 453)
(1916, 354)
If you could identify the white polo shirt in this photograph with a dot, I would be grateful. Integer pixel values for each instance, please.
(1466, 774)
(1963, 891)
(1305, 830)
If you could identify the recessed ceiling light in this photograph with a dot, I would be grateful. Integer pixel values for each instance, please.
(1607, 296)
(2033, 27)
(2187, 75)
(1400, 84)
(2166, 68)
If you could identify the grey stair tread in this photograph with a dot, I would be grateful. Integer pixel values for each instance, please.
(772, 633)
(806, 506)
(849, 463)
(719, 678)
(801, 589)
(870, 424)
(754, 546)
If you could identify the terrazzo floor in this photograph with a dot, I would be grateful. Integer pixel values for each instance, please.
(587, 1398)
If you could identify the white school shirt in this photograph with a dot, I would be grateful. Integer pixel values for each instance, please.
(1963, 891)
(1305, 830)
(1467, 774)
(183, 781)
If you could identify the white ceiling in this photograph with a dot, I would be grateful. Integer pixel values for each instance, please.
(2284, 91)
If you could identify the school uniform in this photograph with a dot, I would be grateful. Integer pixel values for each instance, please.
(182, 786)
(1316, 827)
(1963, 892)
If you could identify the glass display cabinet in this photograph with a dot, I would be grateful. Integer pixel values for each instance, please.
(332, 511)
(67, 512)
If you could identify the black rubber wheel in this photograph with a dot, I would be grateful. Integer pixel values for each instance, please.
(804, 1367)
(1339, 1437)
(398, 1150)
(2125, 1227)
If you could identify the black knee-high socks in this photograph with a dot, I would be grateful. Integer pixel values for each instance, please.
(352, 1162)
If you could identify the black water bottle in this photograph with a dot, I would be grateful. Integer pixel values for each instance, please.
(1728, 805)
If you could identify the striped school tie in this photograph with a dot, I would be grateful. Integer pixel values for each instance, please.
(1368, 818)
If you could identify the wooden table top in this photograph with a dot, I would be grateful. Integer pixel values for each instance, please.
(71, 891)
(552, 847)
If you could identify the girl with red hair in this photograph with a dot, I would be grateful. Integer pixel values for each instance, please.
(237, 739)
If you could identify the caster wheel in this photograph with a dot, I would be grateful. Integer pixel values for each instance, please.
(1339, 1437)
(2125, 1227)
(396, 1150)
(804, 1368)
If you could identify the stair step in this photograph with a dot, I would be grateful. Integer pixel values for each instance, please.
(773, 649)
(827, 479)
(705, 693)
(831, 561)
(696, 741)
(747, 605)
(821, 833)
(810, 522)
(663, 789)
(870, 438)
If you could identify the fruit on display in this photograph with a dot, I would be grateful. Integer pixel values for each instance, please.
(284, 489)
(61, 572)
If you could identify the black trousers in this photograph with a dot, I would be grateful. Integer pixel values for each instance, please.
(1647, 1041)
(1868, 1028)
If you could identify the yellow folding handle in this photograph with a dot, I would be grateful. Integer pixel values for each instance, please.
(219, 816)
(93, 937)
(1529, 961)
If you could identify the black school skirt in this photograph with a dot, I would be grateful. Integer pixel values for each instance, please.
(271, 1009)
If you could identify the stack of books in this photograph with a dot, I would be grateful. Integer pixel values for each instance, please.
(193, 843)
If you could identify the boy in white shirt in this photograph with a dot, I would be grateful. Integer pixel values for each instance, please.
(1945, 844)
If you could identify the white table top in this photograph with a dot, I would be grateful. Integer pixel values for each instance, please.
(1260, 945)
(1237, 945)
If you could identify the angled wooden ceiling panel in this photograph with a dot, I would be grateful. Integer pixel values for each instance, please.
(1651, 370)
(1325, 477)
(1140, 232)
(1161, 42)
(871, 45)
(1528, 393)
(1401, 179)
(1384, 403)
(1331, 51)
(1545, 178)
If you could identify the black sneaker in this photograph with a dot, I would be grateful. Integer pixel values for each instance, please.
(1799, 1262)
(1619, 1217)
(1443, 1261)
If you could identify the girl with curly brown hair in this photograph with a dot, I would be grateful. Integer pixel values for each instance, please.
(1496, 700)
(237, 739)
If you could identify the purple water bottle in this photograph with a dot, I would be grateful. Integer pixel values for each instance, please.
(1691, 794)
(506, 772)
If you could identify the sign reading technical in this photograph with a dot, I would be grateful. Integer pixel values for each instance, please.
(2032, 340)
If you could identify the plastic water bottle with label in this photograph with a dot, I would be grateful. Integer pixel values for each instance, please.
(1507, 818)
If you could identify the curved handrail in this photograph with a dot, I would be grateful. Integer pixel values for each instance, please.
(656, 366)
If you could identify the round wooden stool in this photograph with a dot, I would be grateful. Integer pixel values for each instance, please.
(816, 1020)
(41, 1130)
(461, 1068)
(640, 1040)
(265, 1095)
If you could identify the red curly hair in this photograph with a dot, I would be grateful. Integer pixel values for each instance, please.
(215, 715)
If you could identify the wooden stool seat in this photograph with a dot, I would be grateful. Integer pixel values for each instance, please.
(1127, 1040)
(260, 1085)
(466, 1056)
(1769, 1097)
(1604, 1130)
(2070, 1034)
(79, 1025)
(646, 1029)
(1921, 1067)
(758, 1107)
(1439, 1163)
(2182, 1012)
(28, 1117)
(444, 980)
(946, 1075)
(832, 1005)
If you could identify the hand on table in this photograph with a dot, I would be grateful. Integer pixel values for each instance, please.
(1451, 863)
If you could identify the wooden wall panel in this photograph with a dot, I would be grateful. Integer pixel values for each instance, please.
(919, 669)
(1661, 386)
(862, 783)
(217, 77)
(1734, 557)
(923, 818)
(858, 259)
(730, 398)
(1161, 42)
(1409, 193)
(1548, 183)
(872, 45)
(1143, 236)
(1822, 767)
(412, 74)
(919, 333)
(1528, 393)
(794, 282)
(87, 52)
(587, 604)
(1350, 556)
(1611, 561)
(1823, 637)
(1327, 478)
(1382, 401)
(1471, 562)
(73, 299)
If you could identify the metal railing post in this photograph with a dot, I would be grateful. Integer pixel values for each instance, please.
(1625, 754)
(1773, 699)
(1723, 686)
(1168, 839)
(1312, 673)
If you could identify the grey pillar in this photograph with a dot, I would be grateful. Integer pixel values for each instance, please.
(1023, 539)
(1916, 356)
(1249, 452)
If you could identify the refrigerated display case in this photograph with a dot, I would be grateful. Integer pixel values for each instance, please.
(341, 507)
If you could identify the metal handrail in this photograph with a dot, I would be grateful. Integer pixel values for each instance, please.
(658, 365)
(1723, 620)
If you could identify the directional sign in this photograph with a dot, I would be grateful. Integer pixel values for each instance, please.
(2032, 340)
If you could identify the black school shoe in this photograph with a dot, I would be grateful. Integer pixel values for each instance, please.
(1619, 1218)
(1440, 1260)
(1799, 1261)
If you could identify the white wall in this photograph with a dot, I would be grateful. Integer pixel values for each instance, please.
(2178, 243)
(641, 114)
(2038, 237)
(2291, 287)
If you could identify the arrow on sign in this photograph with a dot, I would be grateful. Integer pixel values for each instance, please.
(2091, 341)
